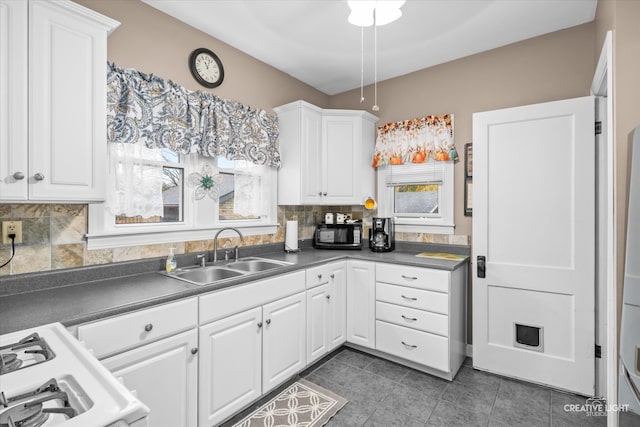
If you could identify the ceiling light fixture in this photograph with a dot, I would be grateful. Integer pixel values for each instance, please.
(365, 13)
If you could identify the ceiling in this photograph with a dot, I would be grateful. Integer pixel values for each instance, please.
(312, 41)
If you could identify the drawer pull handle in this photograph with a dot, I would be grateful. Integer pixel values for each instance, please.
(268, 321)
(408, 345)
(259, 324)
(194, 350)
(409, 277)
(148, 327)
(413, 319)
(409, 298)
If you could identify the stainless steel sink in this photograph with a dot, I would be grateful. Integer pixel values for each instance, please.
(254, 265)
(218, 272)
(207, 275)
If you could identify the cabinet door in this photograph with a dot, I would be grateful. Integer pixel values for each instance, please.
(339, 159)
(230, 365)
(13, 100)
(311, 155)
(361, 300)
(338, 305)
(283, 340)
(164, 375)
(318, 322)
(67, 103)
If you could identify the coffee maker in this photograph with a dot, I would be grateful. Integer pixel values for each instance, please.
(381, 235)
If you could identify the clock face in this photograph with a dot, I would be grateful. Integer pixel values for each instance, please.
(206, 68)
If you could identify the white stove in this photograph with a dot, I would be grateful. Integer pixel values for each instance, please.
(47, 378)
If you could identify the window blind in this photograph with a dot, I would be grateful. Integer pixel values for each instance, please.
(416, 173)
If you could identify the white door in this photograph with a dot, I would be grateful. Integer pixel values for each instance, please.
(164, 376)
(283, 340)
(534, 222)
(230, 365)
(339, 134)
(361, 303)
(318, 322)
(338, 305)
(13, 100)
(311, 142)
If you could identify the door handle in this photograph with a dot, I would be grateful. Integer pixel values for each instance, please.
(481, 267)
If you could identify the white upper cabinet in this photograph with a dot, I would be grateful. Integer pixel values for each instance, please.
(326, 155)
(53, 101)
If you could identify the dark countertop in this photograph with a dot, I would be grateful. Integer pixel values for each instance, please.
(90, 300)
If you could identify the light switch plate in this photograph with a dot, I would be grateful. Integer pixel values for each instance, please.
(11, 227)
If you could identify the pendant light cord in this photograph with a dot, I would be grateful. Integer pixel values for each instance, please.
(375, 63)
(361, 65)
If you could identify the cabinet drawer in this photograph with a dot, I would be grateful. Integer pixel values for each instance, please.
(117, 334)
(415, 277)
(318, 276)
(412, 318)
(413, 298)
(239, 298)
(420, 347)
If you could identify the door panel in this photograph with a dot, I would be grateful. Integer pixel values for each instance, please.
(338, 306)
(164, 376)
(361, 303)
(230, 365)
(283, 340)
(534, 221)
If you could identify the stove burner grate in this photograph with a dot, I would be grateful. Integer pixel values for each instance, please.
(27, 410)
(31, 347)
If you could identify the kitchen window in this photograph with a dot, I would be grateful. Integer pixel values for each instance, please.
(184, 217)
(418, 196)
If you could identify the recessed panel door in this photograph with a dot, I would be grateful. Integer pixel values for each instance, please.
(534, 243)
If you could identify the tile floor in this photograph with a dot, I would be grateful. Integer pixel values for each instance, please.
(385, 394)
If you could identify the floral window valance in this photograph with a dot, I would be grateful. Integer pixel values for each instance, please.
(415, 141)
(148, 110)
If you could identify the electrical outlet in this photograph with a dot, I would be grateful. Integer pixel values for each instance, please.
(11, 227)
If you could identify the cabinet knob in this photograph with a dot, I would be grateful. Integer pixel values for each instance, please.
(148, 327)
(259, 324)
(328, 296)
(268, 321)
(320, 193)
(324, 194)
(333, 276)
(194, 350)
(320, 276)
(18, 176)
(38, 176)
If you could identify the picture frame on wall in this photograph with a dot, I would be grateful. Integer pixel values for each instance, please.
(468, 196)
(468, 160)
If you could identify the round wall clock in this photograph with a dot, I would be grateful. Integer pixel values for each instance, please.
(206, 67)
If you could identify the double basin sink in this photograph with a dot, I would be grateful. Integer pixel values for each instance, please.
(218, 272)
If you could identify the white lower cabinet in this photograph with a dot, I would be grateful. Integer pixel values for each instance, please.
(230, 365)
(361, 303)
(155, 352)
(326, 309)
(246, 355)
(164, 376)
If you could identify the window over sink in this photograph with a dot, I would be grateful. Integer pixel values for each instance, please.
(184, 216)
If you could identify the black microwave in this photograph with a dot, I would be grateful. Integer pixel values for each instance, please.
(338, 236)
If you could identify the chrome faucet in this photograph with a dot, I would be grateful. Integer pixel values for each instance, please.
(215, 242)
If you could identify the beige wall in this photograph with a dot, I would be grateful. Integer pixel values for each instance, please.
(551, 67)
(153, 42)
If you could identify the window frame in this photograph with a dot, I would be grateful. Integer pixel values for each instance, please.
(199, 220)
(442, 223)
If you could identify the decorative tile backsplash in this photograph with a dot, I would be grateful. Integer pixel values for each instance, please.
(53, 236)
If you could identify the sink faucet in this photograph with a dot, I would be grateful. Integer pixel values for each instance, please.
(215, 242)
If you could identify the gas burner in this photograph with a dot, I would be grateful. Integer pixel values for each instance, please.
(29, 351)
(29, 410)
